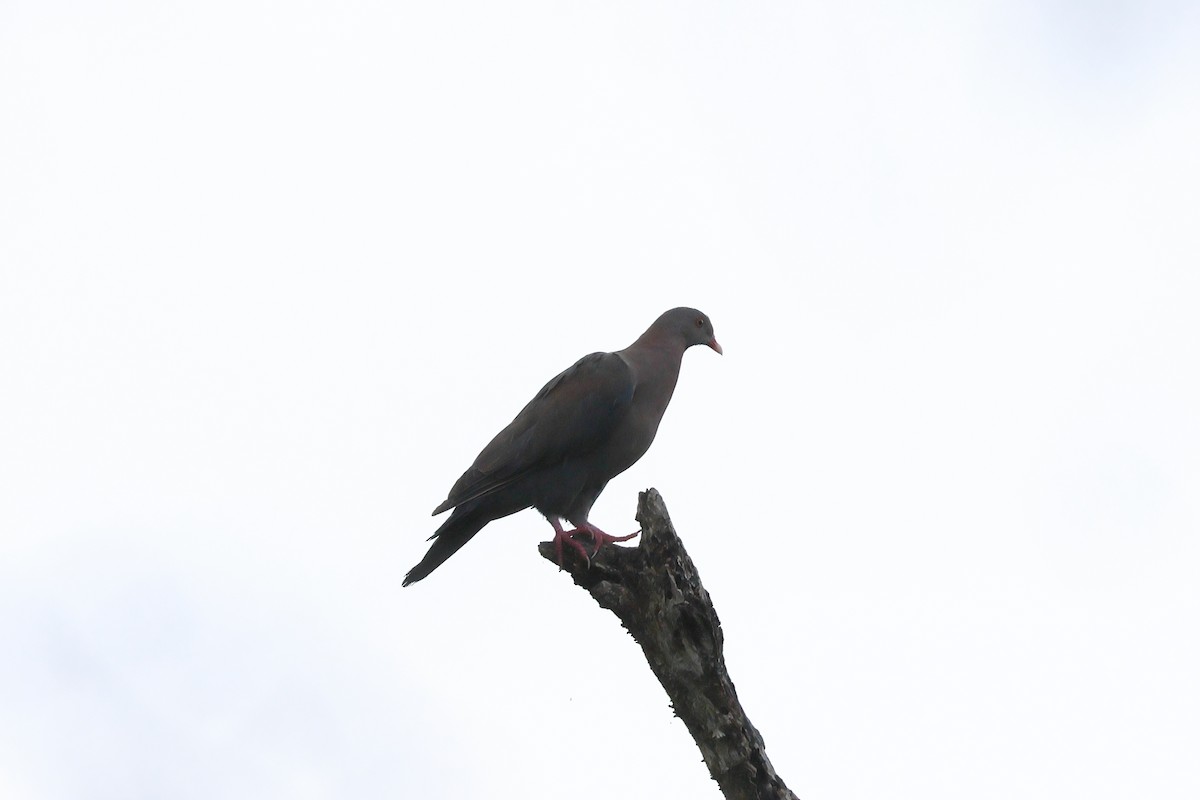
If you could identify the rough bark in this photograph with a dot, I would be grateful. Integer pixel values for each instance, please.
(655, 591)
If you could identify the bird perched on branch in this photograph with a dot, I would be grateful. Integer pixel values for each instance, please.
(587, 425)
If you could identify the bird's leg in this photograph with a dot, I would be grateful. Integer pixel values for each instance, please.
(599, 537)
(561, 536)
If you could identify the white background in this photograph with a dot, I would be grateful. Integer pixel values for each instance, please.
(272, 273)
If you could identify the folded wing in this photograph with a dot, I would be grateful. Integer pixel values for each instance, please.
(572, 414)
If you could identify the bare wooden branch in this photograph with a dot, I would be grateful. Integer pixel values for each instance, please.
(655, 591)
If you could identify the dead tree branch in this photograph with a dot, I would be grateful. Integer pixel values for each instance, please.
(655, 591)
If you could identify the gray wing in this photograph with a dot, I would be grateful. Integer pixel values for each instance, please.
(572, 415)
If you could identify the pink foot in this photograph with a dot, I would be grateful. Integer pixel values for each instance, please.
(561, 536)
(600, 537)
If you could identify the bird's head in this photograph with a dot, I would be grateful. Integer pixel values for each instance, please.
(693, 325)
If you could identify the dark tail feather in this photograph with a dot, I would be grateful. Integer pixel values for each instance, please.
(454, 533)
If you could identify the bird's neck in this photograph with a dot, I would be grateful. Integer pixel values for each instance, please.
(656, 370)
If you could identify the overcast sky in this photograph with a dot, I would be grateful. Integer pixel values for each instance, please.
(272, 274)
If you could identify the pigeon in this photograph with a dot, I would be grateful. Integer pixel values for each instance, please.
(589, 424)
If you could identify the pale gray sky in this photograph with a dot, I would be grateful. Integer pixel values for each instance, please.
(271, 275)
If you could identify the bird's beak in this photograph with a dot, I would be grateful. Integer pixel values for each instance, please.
(715, 345)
